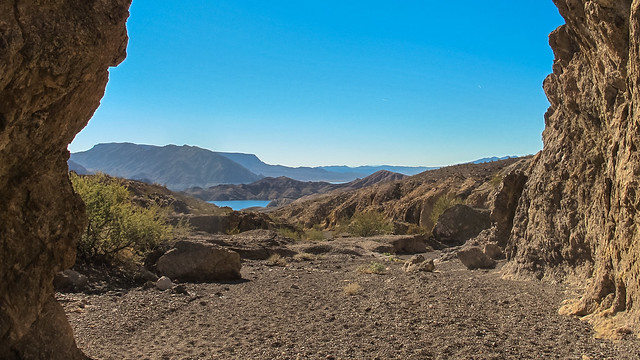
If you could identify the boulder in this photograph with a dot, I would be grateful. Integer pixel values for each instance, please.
(473, 258)
(164, 283)
(199, 261)
(70, 280)
(418, 263)
(400, 244)
(493, 251)
(460, 223)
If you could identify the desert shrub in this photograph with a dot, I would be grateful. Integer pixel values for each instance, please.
(443, 203)
(289, 233)
(116, 225)
(315, 233)
(414, 229)
(352, 289)
(372, 268)
(370, 224)
(495, 181)
(276, 260)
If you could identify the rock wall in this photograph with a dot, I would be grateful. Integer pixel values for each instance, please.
(580, 206)
(54, 57)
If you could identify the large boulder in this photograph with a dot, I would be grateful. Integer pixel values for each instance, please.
(54, 57)
(199, 261)
(460, 223)
(474, 258)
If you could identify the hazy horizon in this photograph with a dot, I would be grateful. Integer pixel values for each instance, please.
(324, 84)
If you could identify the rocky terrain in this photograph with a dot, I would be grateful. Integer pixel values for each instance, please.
(325, 305)
(407, 201)
(283, 188)
(574, 221)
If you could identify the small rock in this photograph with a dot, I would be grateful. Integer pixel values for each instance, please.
(164, 283)
(474, 258)
(180, 289)
(493, 251)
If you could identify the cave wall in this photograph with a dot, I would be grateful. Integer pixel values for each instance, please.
(54, 56)
(578, 212)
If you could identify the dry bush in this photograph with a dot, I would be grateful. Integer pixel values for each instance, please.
(276, 260)
(352, 289)
(304, 257)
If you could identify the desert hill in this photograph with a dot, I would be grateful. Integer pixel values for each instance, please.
(176, 167)
(182, 167)
(406, 201)
(285, 188)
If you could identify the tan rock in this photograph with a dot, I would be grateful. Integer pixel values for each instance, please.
(54, 59)
(418, 263)
(199, 261)
(493, 251)
(473, 258)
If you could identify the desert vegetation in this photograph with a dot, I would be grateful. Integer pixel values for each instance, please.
(116, 226)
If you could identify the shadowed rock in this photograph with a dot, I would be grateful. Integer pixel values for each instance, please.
(54, 57)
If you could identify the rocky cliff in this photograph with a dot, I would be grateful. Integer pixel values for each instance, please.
(54, 57)
(579, 210)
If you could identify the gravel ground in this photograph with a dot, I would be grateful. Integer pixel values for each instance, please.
(302, 311)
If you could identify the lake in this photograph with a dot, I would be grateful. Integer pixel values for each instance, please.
(241, 204)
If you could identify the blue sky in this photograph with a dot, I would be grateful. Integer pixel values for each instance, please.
(326, 82)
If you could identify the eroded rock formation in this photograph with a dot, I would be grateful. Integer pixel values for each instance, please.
(54, 57)
(580, 207)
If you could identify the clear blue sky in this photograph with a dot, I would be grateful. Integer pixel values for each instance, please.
(333, 82)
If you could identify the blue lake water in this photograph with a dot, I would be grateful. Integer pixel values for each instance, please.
(241, 204)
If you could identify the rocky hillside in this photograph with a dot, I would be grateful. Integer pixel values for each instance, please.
(407, 201)
(177, 167)
(54, 59)
(579, 210)
(285, 188)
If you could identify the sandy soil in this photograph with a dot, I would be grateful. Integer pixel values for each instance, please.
(301, 311)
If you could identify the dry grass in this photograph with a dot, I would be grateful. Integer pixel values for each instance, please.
(352, 289)
(304, 257)
(276, 260)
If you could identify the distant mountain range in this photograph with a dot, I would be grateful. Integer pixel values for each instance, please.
(285, 188)
(492, 159)
(183, 167)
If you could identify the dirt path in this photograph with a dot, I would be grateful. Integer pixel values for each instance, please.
(302, 312)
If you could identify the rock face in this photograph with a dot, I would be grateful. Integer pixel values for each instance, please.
(199, 261)
(579, 209)
(54, 57)
(460, 223)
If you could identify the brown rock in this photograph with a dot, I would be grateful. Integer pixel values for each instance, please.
(54, 57)
(493, 251)
(460, 223)
(199, 261)
(474, 258)
(418, 263)
(579, 208)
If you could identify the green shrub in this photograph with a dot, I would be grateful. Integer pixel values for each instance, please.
(370, 224)
(115, 223)
(314, 234)
(443, 203)
(288, 233)
(496, 179)
(373, 268)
